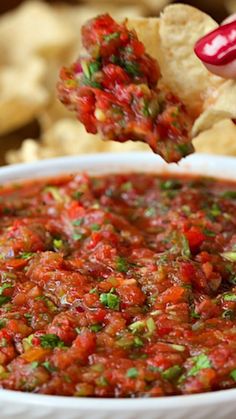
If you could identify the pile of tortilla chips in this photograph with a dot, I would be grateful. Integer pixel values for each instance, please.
(37, 39)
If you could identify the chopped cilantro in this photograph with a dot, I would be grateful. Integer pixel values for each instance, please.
(77, 236)
(5, 286)
(150, 212)
(154, 369)
(132, 373)
(111, 36)
(77, 194)
(184, 149)
(145, 109)
(110, 300)
(96, 327)
(122, 264)
(87, 82)
(26, 255)
(4, 299)
(172, 372)
(51, 341)
(28, 316)
(215, 211)
(93, 67)
(132, 68)
(95, 227)
(195, 315)
(200, 362)
(2, 323)
(170, 184)
(78, 222)
(208, 232)
(49, 366)
(34, 364)
(138, 342)
(102, 381)
(233, 374)
(229, 194)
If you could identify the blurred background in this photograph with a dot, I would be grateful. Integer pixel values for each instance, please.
(36, 38)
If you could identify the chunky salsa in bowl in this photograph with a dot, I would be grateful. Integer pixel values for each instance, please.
(118, 285)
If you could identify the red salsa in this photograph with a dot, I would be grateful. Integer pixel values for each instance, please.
(118, 286)
(113, 91)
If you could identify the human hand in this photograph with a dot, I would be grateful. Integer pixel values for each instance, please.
(217, 49)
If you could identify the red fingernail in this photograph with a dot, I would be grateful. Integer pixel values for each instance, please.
(219, 46)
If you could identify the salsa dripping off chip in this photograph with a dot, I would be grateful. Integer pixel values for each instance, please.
(122, 93)
(113, 91)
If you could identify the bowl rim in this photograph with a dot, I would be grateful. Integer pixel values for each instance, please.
(205, 164)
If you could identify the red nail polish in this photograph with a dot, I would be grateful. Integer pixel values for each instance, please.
(219, 46)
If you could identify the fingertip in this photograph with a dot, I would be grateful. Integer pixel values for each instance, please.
(227, 71)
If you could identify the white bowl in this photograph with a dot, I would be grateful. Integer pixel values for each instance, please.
(217, 405)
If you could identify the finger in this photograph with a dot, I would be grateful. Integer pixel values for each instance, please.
(217, 50)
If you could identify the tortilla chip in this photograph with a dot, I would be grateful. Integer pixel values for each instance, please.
(149, 5)
(230, 5)
(171, 39)
(180, 27)
(224, 107)
(22, 94)
(33, 29)
(147, 30)
(220, 139)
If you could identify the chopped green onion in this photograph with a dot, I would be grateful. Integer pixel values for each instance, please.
(151, 325)
(229, 297)
(231, 256)
(186, 252)
(136, 326)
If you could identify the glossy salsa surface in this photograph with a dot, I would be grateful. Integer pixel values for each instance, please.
(118, 286)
